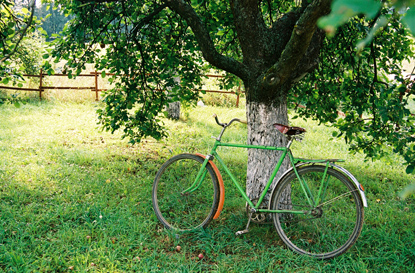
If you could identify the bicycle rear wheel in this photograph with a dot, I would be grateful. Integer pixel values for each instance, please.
(175, 205)
(323, 231)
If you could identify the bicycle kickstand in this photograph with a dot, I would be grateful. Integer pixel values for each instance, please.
(246, 230)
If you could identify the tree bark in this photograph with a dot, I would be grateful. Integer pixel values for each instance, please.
(261, 117)
(173, 110)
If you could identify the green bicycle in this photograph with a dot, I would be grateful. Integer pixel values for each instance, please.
(316, 205)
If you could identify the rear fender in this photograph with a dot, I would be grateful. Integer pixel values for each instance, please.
(339, 168)
(354, 180)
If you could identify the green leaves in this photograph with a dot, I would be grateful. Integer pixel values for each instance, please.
(409, 19)
(343, 10)
(16, 104)
(17, 26)
(369, 89)
(380, 23)
(410, 169)
(150, 50)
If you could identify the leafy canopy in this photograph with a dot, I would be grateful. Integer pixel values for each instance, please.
(146, 44)
(367, 85)
(343, 10)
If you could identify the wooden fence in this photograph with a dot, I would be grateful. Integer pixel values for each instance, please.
(95, 88)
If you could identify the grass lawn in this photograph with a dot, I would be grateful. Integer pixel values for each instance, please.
(76, 199)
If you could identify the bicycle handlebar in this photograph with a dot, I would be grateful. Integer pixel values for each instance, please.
(227, 124)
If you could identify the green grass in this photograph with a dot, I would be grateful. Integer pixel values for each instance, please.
(75, 198)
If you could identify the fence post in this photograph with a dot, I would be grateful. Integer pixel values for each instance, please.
(40, 84)
(96, 85)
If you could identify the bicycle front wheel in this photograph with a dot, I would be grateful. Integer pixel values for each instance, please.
(322, 219)
(179, 201)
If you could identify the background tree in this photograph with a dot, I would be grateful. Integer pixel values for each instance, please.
(14, 25)
(173, 108)
(17, 25)
(269, 45)
(54, 18)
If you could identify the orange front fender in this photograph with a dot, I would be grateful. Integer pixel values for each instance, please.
(221, 187)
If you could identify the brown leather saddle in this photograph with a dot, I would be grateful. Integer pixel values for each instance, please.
(288, 130)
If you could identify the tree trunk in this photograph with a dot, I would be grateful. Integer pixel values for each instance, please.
(261, 117)
(173, 110)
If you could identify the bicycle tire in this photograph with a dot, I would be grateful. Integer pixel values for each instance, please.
(184, 212)
(326, 230)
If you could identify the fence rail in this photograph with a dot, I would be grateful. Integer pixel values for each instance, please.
(95, 88)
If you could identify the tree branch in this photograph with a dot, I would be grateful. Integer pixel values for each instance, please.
(204, 40)
(297, 46)
(147, 19)
(22, 32)
(271, 21)
(253, 34)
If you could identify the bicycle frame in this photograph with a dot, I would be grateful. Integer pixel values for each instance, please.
(285, 151)
(309, 188)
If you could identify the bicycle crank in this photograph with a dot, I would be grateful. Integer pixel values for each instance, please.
(258, 217)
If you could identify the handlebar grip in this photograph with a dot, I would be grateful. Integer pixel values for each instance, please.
(217, 120)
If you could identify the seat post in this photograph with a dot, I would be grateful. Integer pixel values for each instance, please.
(290, 141)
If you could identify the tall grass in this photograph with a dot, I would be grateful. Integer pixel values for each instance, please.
(74, 198)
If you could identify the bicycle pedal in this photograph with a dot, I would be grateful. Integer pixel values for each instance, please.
(241, 232)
